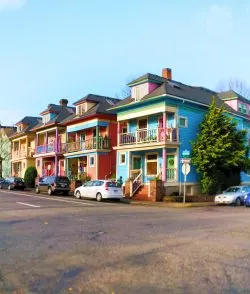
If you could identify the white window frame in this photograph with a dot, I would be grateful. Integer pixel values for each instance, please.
(126, 128)
(91, 165)
(186, 122)
(120, 157)
(46, 118)
(146, 161)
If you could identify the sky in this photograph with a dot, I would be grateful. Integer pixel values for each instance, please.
(53, 49)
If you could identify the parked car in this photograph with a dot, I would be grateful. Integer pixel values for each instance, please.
(53, 185)
(99, 190)
(247, 200)
(233, 195)
(12, 183)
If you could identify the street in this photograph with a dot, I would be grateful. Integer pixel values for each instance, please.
(58, 244)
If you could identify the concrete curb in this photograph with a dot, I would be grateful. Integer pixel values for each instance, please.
(170, 205)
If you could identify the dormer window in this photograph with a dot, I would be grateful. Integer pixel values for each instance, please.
(81, 109)
(19, 128)
(243, 108)
(46, 118)
(139, 91)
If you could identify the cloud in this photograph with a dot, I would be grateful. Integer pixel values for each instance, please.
(11, 4)
(219, 20)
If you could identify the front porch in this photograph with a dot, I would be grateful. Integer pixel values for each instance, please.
(50, 166)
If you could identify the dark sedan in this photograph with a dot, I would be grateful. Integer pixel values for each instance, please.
(12, 183)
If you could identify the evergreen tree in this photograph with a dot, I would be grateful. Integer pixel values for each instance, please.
(219, 151)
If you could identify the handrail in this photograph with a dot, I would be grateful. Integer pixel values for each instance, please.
(136, 184)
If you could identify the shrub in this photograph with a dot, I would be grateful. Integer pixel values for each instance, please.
(30, 176)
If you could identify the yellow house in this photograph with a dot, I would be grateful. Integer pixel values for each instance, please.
(23, 145)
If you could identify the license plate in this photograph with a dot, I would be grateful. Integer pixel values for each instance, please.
(115, 191)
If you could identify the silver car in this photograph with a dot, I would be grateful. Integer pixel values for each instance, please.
(232, 195)
(99, 189)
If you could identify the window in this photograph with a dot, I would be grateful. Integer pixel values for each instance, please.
(98, 183)
(46, 118)
(125, 129)
(183, 122)
(80, 109)
(151, 164)
(122, 158)
(142, 123)
(91, 161)
(94, 133)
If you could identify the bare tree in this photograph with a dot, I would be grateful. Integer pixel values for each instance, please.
(126, 90)
(5, 151)
(235, 84)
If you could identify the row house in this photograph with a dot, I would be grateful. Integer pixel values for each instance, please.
(91, 133)
(49, 135)
(155, 125)
(23, 145)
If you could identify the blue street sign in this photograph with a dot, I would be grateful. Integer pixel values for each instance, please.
(185, 153)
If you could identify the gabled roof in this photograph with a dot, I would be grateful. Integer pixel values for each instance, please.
(62, 112)
(102, 104)
(228, 95)
(55, 108)
(30, 122)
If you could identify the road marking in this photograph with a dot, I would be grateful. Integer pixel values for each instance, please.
(28, 204)
(52, 199)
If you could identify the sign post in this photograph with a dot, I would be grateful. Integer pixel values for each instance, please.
(185, 169)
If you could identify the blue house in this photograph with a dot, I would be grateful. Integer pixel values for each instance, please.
(155, 125)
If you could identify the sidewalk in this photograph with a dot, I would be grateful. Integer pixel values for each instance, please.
(168, 204)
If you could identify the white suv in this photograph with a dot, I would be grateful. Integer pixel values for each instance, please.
(99, 189)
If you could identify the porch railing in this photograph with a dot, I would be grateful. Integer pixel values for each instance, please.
(93, 143)
(47, 148)
(149, 136)
(22, 153)
(136, 184)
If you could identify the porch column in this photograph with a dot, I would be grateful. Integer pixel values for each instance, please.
(56, 166)
(46, 142)
(19, 148)
(56, 147)
(27, 146)
(97, 138)
(118, 133)
(36, 143)
(164, 160)
(164, 120)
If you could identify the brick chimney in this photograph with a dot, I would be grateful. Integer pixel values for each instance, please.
(167, 73)
(63, 102)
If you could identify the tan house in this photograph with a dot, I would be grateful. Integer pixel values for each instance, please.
(23, 145)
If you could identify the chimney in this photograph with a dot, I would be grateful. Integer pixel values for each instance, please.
(63, 102)
(167, 73)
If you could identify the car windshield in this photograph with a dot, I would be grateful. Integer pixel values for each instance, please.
(63, 179)
(232, 189)
(113, 184)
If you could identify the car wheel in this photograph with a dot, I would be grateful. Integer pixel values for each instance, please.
(37, 190)
(99, 197)
(66, 193)
(78, 195)
(238, 202)
(50, 192)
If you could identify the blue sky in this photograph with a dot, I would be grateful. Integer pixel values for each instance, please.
(54, 49)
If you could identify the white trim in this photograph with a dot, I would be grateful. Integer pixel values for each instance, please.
(91, 165)
(129, 164)
(157, 163)
(186, 122)
(120, 154)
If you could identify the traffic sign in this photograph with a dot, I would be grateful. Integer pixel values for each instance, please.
(185, 168)
(185, 160)
(185, 153)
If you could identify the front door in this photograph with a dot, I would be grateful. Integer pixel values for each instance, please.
(171, 171)
(136, 166)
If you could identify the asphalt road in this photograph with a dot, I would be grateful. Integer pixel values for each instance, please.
(63, 245)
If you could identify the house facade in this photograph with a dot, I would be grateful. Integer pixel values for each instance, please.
(90, 135)
(156, 124)
(49, 136)
(23, 145)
